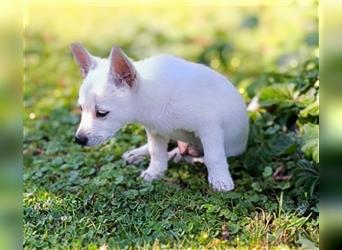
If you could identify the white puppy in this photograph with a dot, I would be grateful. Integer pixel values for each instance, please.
(174, 99)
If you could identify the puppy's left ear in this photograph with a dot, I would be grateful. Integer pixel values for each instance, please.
(121, 70)
(83, 58)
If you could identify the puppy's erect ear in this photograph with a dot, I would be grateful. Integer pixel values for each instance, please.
(83, 58)
(121, 70)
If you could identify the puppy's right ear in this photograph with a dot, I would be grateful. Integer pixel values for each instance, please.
(83, 58)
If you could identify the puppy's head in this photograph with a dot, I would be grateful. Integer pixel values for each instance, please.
(106, 97)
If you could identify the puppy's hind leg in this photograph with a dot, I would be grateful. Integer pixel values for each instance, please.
(177, 156)
(215, 159)
(137, 155)
(174, 155)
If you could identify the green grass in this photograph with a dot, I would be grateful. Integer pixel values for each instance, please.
(85, 198)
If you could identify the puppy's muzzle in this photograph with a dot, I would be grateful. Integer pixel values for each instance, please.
(81, 139)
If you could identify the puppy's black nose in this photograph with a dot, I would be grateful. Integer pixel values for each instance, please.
(81, 139)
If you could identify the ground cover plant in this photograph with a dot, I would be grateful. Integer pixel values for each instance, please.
(77, 197)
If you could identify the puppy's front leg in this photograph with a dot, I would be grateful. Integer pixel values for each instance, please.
(215, 159)
(137, 155)
(157, 146)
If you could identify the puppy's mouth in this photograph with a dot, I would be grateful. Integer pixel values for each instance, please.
(96, 140)
(90, 140)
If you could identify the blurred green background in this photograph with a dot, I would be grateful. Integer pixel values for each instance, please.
(81, 197)
(243, 42)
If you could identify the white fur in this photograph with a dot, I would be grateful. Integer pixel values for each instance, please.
(173, 99)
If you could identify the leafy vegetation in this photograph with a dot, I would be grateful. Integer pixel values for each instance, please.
(78, 197)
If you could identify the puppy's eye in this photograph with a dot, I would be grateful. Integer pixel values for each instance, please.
(80, 107)
(101, 114)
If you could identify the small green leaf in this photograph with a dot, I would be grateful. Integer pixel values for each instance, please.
(283, 144)
(256, 187)
(118, 179)
(283, 95)
(233, 228)
(306, 98)
(267, 172)
(210, 208)
(310, 141)
(312, 109)
(131, 194)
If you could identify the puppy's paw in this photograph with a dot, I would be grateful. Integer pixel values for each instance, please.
(133, 157)
(149, 175)
(174, 155)
(220, 184)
